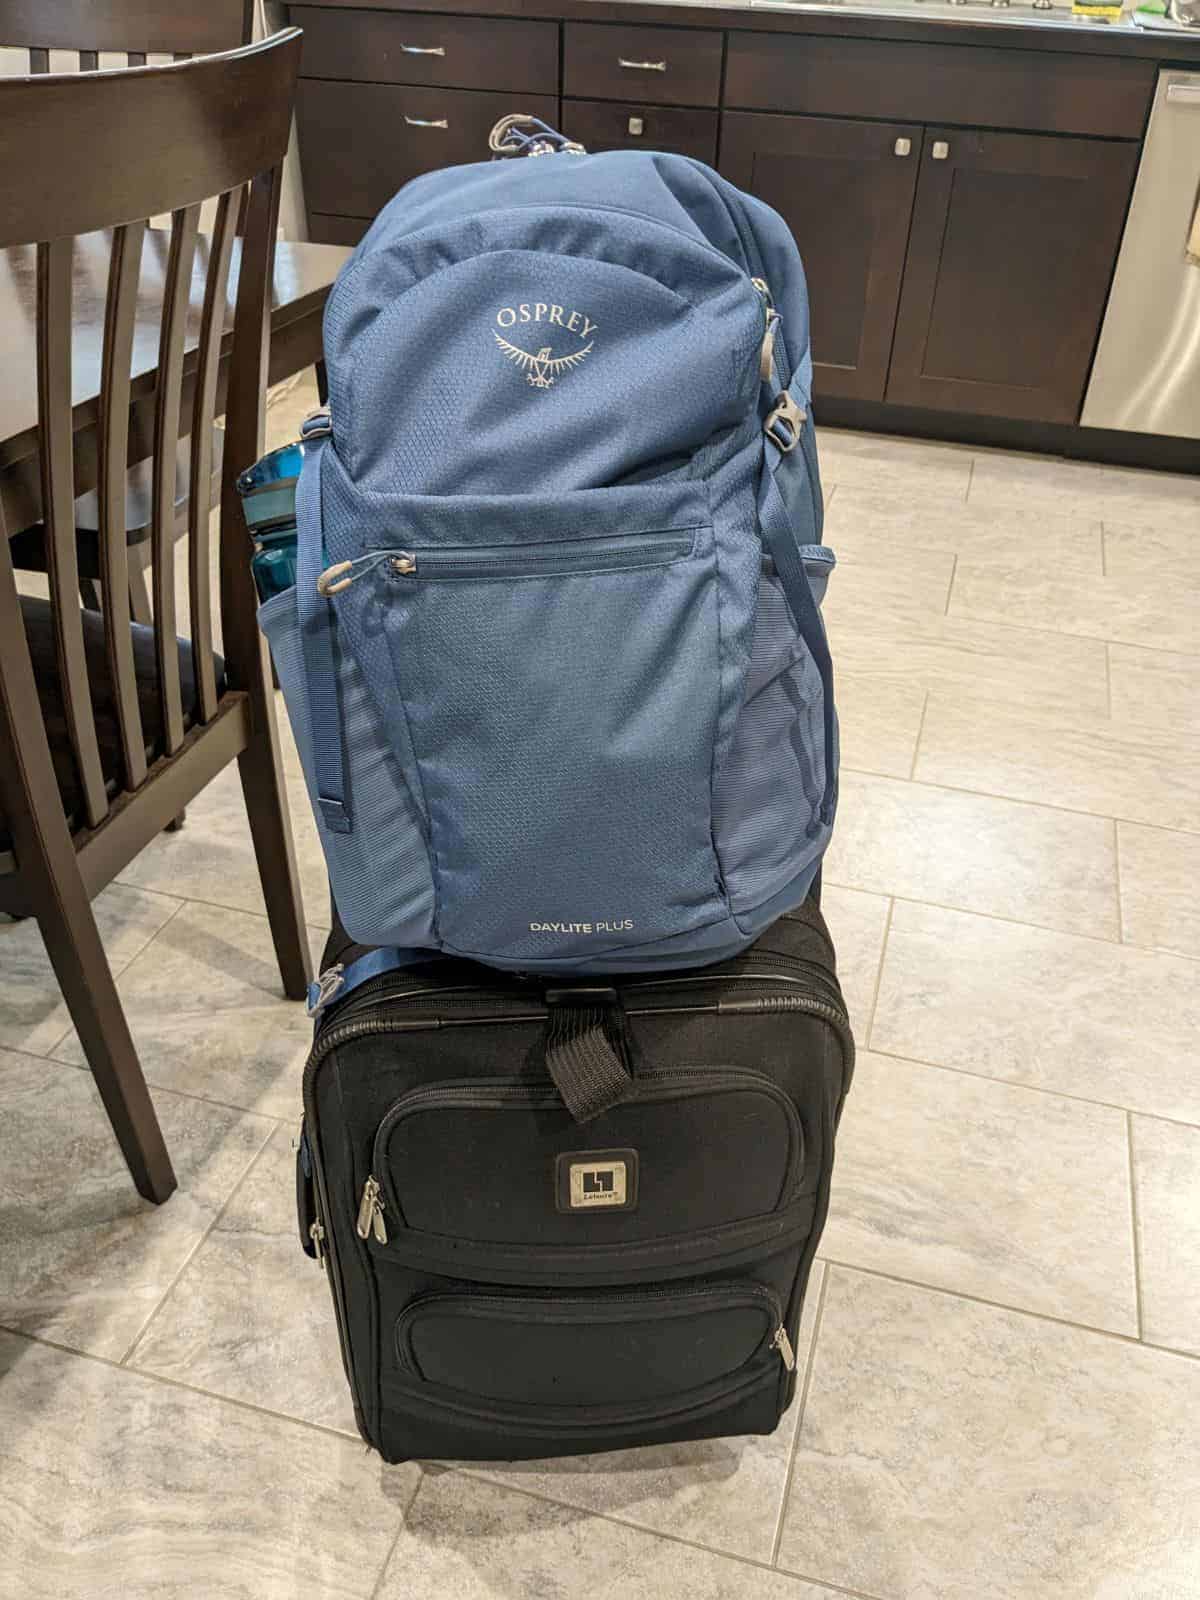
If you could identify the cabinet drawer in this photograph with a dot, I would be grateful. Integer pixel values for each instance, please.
(604, 125)
(427, 48)
(324, 229)
(359, 142)
(981, 86)
(665, 66)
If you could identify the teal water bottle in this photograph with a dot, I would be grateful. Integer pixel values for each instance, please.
(268, 491)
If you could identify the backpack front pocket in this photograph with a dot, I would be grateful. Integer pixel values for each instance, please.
(558, 664)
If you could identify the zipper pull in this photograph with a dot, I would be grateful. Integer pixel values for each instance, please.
(317, 1234)
(343, 573)
(766, 355)
(370, 1213)
(783, 1344)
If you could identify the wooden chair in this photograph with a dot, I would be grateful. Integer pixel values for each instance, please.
(133, 29)
(108, 728)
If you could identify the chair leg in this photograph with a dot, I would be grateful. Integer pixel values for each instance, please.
(89, 594)
(139, 595)
(48, 865)
(261, 773)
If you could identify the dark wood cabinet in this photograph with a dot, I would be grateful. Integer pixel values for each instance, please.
(846, 191)
(613, 125)
(1009, 260)
(670, 66)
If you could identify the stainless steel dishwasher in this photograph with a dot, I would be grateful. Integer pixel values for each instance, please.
(1146, 376)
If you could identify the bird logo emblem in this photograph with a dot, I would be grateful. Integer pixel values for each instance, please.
(541, 369)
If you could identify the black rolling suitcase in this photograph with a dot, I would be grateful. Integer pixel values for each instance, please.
(510, 1281)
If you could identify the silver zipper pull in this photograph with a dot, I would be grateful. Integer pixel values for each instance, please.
(370, 1213)
(317, 1234)
(783, 1344)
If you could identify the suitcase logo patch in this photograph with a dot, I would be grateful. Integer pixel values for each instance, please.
(594, 1180)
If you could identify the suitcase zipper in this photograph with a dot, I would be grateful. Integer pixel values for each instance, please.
(370, 1213)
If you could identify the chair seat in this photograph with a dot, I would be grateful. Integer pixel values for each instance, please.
(39, 631)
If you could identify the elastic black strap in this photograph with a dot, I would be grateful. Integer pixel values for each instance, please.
(587, 1055)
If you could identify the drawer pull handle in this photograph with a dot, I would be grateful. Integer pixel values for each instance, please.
(427, 122)
(642, 66)
(424, 49)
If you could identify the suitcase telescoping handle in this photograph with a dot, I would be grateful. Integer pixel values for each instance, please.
(587, 1048)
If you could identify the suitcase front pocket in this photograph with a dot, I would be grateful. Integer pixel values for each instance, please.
(497, 1180)
(602, 1353)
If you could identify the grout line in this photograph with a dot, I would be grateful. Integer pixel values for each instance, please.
(391, 1549)
(875, 987)
(1017, 1311)
(970, 480)
(144, 1375)
(1017, 800)
(1117, 874)
(1133, 1221)
(1012, 922)
(804, 1389)
(285, 1120)
(138, 1337)
(1031, 1088)
(950, 585)
(1103, 551)
(479, 1474)
(912, 771)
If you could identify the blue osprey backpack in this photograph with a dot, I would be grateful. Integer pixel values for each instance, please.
(554, 659)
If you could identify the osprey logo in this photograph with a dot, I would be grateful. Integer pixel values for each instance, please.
(541, 367)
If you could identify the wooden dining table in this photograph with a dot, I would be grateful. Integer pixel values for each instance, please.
(304, 275)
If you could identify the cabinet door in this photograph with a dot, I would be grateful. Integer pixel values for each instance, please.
(1013, 243)
(846, 190)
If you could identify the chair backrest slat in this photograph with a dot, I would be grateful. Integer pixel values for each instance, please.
(204, 406)
(89, 60)
(177, 287)
(39, 60)
(136, 58)
(154, 25)
(58, 515)
(119, 315)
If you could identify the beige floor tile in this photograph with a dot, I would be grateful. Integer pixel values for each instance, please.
(478, 1541)
(1137, 609)
(1081, 488)
(1054, 868)
(85, 1259)
(1155, 688)
(1166, 1176)
(879, 720)
(208, 1016)
(990, 1190)
(857, 922)
(1011, 666)
(211, 858)
(112, 1484)
(864, 524)
(1101, 1021)
(723, 1493)
(884, 462)
(1160, 888)
(888, 591)
(955, 1451)
(1108, 766)
(1160, 553)
(251, 1317)
(33, 1014)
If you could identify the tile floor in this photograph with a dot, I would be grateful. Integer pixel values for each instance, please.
(1002, 1384)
